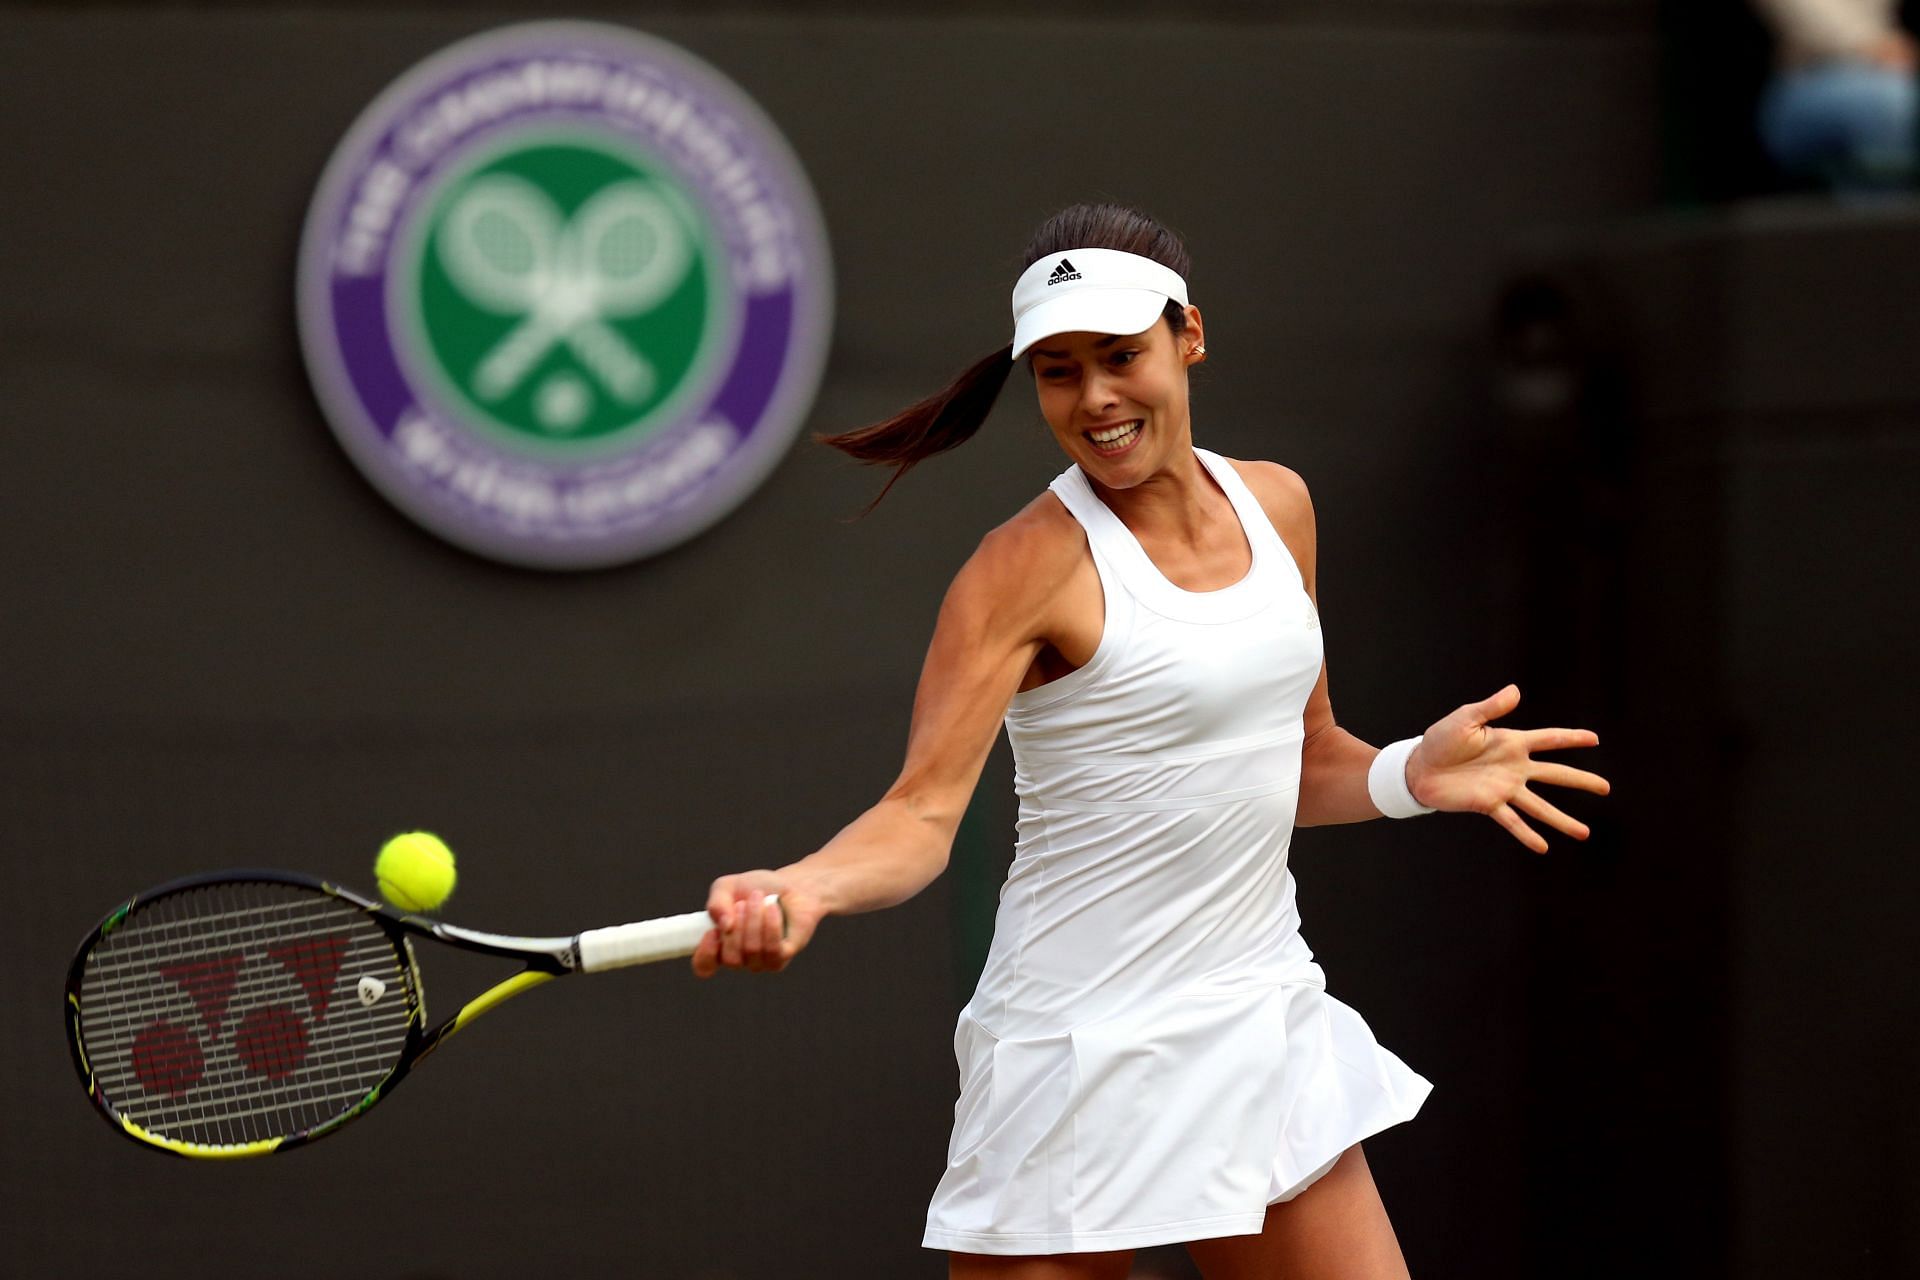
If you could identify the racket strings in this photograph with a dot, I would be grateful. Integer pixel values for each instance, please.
(269, 1043)
(201, 938)
(241, 1012)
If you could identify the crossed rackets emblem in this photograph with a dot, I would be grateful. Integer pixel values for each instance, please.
(507, 246)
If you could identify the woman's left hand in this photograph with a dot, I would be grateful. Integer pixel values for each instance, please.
(1465, 765)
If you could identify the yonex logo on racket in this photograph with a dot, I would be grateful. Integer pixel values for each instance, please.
(270, 1038)
(1063, 273)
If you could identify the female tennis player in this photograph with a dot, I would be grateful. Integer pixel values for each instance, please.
(1151, 1055)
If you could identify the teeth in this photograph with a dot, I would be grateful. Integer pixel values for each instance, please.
(1111, 434)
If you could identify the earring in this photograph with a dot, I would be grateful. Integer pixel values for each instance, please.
(1200, 350)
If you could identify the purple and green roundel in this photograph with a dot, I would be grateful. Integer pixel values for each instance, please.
(564, 294)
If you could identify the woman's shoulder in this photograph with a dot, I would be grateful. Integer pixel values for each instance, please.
(1040, 541)
(1015, 581)
(1273, 484)
(1280, 490)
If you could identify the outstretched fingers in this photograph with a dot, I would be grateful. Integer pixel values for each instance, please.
(1499, 705)
(1538, 740)
(1561, 775)
(1504, 815)
(1466, 763)
(1534, 807)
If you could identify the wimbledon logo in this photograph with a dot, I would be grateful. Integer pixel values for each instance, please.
(564, 295)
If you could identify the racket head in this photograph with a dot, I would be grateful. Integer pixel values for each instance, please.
(242, 1012)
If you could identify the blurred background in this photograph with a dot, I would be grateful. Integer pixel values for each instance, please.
(1596, 388)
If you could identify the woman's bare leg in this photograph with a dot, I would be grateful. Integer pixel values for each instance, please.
(1336, 1229)
(1056, 1266)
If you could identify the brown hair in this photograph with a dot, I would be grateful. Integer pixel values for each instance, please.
(950, 416)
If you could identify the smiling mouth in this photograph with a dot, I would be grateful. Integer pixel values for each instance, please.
(1117, 438)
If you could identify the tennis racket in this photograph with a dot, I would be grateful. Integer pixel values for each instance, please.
(247, 1012)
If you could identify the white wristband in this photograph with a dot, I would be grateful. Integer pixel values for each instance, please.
(1387, 782)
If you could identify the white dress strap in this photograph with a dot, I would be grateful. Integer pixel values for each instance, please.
(1253, 516)
(1117, 603)
(1105, 534)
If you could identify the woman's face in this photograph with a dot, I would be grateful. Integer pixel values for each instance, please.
(1117, 403)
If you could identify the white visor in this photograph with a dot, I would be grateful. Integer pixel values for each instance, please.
(1091, 291)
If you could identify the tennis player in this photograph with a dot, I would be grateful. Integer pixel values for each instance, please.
(1151, 1055)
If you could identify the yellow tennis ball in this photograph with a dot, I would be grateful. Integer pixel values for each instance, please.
(415, 871)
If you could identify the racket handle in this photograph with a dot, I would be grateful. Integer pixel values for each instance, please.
(644, 941)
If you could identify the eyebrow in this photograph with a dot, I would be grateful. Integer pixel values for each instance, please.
(1098, 346)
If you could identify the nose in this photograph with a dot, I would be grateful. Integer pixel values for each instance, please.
(1096, 394)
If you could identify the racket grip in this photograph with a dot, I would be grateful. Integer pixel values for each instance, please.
(644, 941)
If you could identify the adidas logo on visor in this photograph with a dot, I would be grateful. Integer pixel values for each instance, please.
(1062, 273)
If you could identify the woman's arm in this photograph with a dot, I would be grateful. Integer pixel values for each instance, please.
(997, 614)
(1463, 763)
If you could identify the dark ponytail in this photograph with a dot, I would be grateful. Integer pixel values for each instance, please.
(949, 418)
(944, 420)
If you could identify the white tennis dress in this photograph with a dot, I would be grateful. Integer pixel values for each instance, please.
(1151, 1055)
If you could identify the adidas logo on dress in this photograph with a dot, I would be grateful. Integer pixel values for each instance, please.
(1062, 273)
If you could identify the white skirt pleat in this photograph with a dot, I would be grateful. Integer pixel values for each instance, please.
(1179, 1122)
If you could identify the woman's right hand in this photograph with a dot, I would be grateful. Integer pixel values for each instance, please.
(752, 932)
